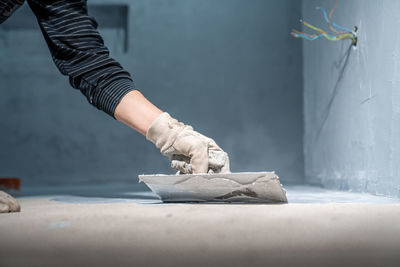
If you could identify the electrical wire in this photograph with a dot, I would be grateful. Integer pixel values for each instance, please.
(301, 35)
(330, 18)
(328, 36)
(341, 35)
(312, 38)
(333, 10)
(331, 23)
(322, 33)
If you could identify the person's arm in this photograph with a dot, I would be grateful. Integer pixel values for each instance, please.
(78, 51)
(189, 151)
(136, 111)
(8, 7)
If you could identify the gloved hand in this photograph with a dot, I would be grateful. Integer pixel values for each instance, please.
(188, 150)
(8, 203)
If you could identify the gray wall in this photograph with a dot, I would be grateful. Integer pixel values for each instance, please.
(228, 67)
(352, 100)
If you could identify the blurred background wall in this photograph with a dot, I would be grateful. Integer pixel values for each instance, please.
(352, 100)
(227, 67)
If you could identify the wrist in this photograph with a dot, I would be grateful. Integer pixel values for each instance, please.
(136, 111)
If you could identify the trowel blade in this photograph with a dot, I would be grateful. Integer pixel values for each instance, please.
(258, 187)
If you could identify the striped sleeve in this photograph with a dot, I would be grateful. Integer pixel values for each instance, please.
(7, 7)
(78, 51)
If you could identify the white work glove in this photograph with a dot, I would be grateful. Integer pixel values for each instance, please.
(8, 203)
(188, 150)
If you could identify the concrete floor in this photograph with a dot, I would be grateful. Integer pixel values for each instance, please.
(88, 227)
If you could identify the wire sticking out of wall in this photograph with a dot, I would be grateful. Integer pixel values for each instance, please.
(339, 32)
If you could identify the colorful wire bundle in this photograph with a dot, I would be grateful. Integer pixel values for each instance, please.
(342, 33)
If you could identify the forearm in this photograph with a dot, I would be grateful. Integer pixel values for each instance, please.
(136, 111)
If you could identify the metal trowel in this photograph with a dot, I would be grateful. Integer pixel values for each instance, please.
(245, 187)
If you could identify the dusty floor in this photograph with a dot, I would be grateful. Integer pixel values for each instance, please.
(318, 228)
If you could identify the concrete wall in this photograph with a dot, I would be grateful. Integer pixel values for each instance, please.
(228, 67)
(352, 100)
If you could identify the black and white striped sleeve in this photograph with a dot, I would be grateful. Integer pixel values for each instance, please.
(78, 51)
(7, 7)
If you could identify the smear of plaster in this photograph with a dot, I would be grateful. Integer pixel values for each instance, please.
(61, 224)
(258, 187)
